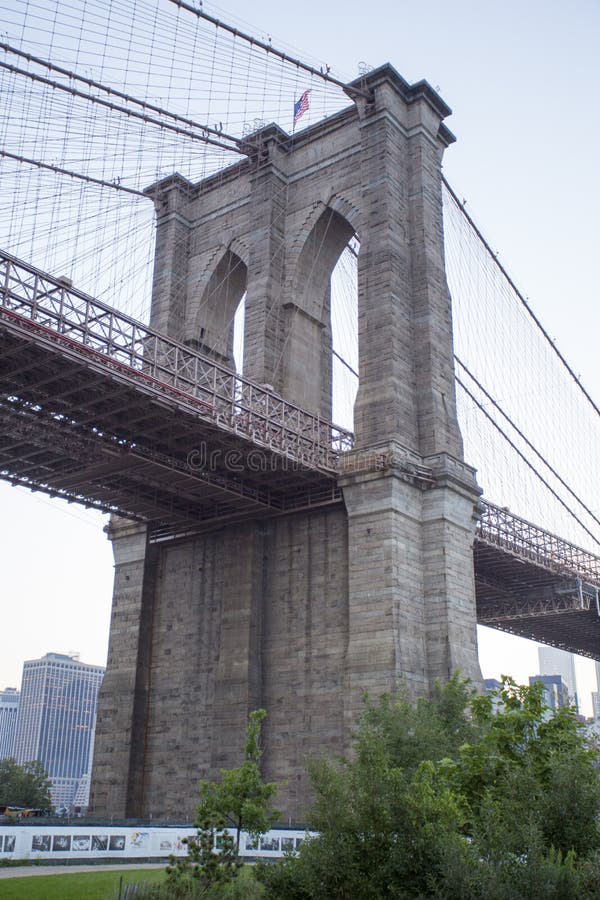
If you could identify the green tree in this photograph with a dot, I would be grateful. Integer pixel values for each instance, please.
(25, 785)
(241, 800)
(443, 798)
(427, 728)
(530, 783)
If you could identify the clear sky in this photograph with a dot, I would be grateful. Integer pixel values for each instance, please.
(523, 80)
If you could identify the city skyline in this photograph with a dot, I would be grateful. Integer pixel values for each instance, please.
(553, 661)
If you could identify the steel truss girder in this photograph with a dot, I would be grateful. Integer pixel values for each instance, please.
(71, 442)
(75, 323)
(520, 538)
(567, 596)
(532, 583)
(577, 631)
(110, 411)
(85, 466)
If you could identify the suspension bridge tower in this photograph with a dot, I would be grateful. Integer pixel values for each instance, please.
(303, 610)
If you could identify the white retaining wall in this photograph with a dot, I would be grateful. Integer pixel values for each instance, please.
(75, 842)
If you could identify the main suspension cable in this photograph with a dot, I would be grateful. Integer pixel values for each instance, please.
(526, 440)
(526, 461)
(348, 89)
(520, 295)
(116, 93)
(122, 109)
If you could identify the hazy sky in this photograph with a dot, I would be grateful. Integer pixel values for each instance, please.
(523, 80)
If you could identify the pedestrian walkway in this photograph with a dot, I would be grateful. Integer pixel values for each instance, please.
(20, 871)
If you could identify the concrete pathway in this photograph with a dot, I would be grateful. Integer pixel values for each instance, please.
(19, 871)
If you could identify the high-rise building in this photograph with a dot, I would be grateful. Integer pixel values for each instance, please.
(559, 662)
(9, 703)
(56, 719)
(556, 694)
(493, 686)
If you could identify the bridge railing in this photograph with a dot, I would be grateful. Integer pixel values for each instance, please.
(516, 535)
(253, 411)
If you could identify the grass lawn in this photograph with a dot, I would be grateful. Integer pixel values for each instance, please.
(73, 886)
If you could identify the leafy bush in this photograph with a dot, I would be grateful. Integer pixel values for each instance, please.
(445, 798)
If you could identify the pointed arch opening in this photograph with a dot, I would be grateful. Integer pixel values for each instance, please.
(219, 327)
(322, 328)
(344, 335)
(239, 323)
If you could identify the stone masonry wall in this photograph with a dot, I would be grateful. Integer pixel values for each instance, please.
(245, 618)
(301, 614)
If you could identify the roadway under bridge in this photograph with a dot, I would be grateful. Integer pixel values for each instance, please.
(101, 410)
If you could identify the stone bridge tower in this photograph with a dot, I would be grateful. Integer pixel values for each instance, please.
(301, 613)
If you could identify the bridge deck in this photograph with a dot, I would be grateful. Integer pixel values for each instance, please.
(531, 583)
(100, 410)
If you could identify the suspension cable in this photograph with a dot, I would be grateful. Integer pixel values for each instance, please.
(122, 109)
(527, 441)
(115, 93)
(526, 461)
(348, 89)
(520, 295)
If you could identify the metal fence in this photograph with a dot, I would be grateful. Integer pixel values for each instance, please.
(500, 527)
(71, 319)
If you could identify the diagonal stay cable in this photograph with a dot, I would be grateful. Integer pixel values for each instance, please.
(114, 107)
(116, 93)
(345, 363)
(526, 461)
(520, 295)
(527, 441)
(349, 89)
(60, 171)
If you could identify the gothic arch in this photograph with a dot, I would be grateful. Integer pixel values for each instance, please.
(298, 246)
(307, 320)
(239, 247)
(317, 260)
(348, 211)
(212, 330)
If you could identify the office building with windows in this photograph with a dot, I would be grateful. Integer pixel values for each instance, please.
(556, 694)
(57, 718)
(9, 704)
(560, 662)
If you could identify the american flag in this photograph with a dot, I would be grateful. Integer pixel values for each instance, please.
(300, 106)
